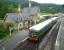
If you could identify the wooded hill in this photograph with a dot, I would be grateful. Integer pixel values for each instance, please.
(11, 6)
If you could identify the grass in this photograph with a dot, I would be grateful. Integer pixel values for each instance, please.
(45, 13)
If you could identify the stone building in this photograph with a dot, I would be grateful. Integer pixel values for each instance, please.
(27, 18)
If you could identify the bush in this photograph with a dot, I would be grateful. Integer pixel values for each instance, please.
(3, 32)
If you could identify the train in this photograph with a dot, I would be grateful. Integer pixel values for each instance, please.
(37, 32)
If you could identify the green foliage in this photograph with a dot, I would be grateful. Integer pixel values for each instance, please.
(3, 10)
(6, 9)
(11, 6)
(12, 9)
(3, 32)
(10, 24)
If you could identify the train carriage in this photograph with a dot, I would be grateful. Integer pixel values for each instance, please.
(37, 31)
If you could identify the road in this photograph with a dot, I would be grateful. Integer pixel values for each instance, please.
(40, 46)
(11, 43)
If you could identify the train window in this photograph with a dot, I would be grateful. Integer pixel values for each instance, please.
(34, 35)
(31, 32)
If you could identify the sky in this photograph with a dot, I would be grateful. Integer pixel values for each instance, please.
(50, 1)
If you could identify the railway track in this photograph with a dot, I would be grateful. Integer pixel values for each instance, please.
(27, 46)
(50, 43)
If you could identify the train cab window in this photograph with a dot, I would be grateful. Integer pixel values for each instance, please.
(34, 35)
(31, 32)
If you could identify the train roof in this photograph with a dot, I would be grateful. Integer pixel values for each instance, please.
(41, 25)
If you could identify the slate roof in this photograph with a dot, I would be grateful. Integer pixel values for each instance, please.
(33, 10)
(26, 14)
(17, 17)
(13, 17)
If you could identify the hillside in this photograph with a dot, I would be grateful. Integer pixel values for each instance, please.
(51, 8)
(11, 6)
(15, 2)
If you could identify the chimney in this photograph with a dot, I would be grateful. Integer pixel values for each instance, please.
(29, 3)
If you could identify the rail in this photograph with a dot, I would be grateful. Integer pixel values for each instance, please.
(59, 44)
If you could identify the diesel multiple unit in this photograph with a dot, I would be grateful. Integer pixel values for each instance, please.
(37, 31)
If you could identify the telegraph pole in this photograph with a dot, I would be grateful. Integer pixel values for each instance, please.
(19, 11)
(29, 21)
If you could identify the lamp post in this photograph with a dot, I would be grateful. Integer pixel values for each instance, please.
(10, 29)
(3, 48)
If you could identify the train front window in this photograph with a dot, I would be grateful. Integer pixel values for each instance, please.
(35, 36)
(32, 35)
(31, 32)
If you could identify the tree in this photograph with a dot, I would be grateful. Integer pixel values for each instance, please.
(62, 5)
(12, 10)
(3, 10)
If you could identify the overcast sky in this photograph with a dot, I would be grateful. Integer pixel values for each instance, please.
(50, 1)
